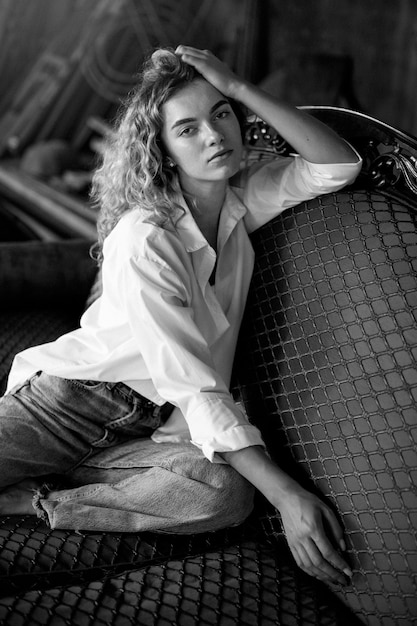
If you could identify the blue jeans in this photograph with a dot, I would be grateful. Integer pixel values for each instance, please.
(96, 435)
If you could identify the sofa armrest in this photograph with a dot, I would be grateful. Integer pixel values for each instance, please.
(45, 272)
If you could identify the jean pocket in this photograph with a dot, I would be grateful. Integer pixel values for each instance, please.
(142, 419)
(140, 422)
(90, 400)
(89, 385)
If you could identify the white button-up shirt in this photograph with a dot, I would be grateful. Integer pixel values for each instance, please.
(161, 327)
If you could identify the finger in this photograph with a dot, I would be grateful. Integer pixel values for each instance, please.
(323, 566)
(182, 49)
(309, 562)
(196, 58)
(305, 562)
(330, 557)
(191, 52)
(326, 548)
(335, 528)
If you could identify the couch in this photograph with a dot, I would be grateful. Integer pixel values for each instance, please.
(326, 367)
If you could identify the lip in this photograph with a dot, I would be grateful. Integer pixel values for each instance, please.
(221, 155)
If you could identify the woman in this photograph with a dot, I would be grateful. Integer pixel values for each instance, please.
(133, 408)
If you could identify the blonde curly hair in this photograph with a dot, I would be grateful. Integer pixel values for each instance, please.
(134, 171)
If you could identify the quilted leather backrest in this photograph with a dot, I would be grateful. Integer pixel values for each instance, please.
(327, 369)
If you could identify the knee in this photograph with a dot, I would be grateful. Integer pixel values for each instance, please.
(212, 495)
(228, 498)
(238, 495)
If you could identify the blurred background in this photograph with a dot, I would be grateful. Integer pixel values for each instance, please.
(65, 66)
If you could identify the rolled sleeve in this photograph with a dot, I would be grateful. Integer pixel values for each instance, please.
(178, 357)
(285, 182)
(221, 426)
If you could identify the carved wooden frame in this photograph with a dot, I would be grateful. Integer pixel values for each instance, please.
(389, 155)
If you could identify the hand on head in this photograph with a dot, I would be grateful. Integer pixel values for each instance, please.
(212, 69)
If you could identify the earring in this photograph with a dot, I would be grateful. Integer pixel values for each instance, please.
(170, 163)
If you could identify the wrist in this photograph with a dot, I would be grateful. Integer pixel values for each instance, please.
(279, 488)
(239, 90)
(257, 467)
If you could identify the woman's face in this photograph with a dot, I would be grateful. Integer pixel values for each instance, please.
(201, 134)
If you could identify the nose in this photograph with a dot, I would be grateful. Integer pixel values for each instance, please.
(213, 135)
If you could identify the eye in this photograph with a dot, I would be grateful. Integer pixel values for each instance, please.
(186, 131)
(222, 114)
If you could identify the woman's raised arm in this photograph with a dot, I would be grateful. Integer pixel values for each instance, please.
(309, 137)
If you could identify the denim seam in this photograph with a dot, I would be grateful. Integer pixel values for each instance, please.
(125, 419)
(77, 496)
(80, 384)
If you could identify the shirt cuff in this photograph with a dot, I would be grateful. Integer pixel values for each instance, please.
(328, 177)
(236, 439)
(216, 425)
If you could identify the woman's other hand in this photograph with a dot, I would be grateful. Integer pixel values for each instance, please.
(312, 532)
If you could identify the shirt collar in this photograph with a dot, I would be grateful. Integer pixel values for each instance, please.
(233, 211)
